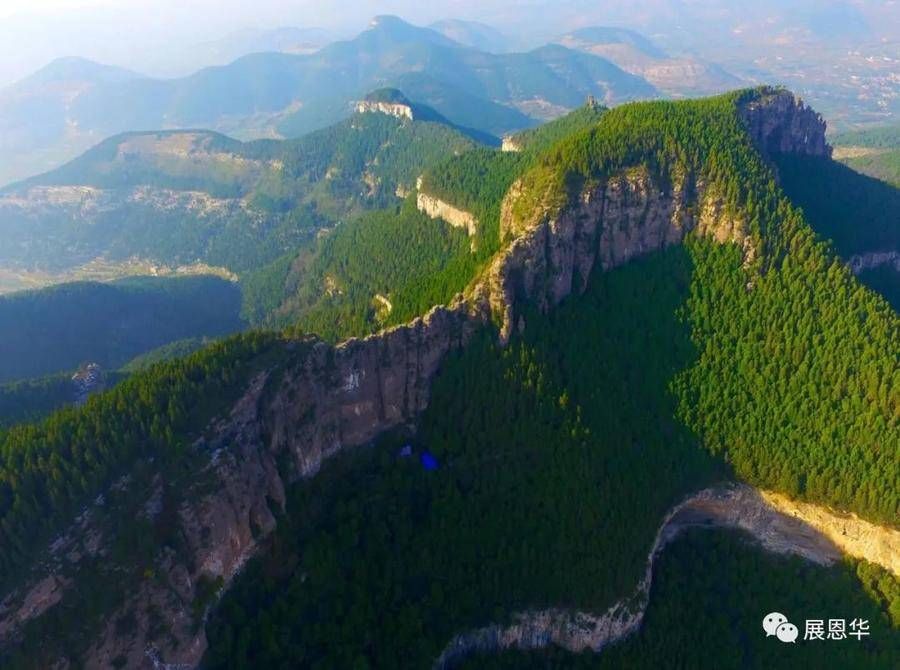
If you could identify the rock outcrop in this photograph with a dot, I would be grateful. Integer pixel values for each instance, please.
(509, 144)
(322, 399)
(779, 122)
(623, 217)
(436, 208)
(739, 507)
(400, 110)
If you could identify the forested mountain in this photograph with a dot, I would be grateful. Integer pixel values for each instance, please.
(266, 94)
(334, 288)
(642, 312)
(198, 198)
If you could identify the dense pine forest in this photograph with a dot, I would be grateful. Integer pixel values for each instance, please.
(710, 593)
(541, 469)
(47, 470)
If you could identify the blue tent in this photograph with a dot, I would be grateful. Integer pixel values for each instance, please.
(406, 451)
(429, 462)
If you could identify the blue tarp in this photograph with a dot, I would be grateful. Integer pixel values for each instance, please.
(429, 462)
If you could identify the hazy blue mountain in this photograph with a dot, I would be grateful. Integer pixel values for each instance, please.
(473, 34)
(678, 76)
(36, 132)
(271, 94)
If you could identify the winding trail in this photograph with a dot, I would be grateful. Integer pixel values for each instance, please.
(779, 525)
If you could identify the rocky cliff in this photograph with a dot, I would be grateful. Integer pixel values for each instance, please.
(436, 208)
(401, 111)
(779, 122)
(322, 399)
(738, 507)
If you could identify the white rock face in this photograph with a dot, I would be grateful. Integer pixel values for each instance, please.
(438, 209)
(390, 108)
(508, 143)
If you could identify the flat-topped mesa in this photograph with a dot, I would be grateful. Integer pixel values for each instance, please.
(388, 101)
(779, 122)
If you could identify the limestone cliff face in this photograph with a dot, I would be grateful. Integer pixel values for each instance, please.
(612, 222)
(399, 110)
(323, 399)
(779, 122)
(508, 143)
(739, 507)
(436, 208)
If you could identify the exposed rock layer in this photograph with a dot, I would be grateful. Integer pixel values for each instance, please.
(728, 507)
(439, 209)
(324, 399)
(399, 110)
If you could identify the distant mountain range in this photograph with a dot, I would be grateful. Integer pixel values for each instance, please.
(70, 105)
(188, 201)
(634, 53)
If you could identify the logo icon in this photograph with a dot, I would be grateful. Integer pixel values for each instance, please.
(787, 632)
(777, 624)
(772, 621)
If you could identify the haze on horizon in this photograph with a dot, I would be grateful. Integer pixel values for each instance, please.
(161, 38)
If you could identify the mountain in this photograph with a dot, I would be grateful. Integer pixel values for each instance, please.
(285, 39)
(280, 94)
(635, 332)
(473, 34)
(155, 202)
(36, 129)
(634, 53)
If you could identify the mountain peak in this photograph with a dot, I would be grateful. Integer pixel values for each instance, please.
(76, 68)
(399, 30)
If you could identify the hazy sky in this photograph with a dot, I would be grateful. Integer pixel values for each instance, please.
(152, 35)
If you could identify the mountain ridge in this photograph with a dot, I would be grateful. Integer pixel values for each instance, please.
(279, 94)
(331, 398)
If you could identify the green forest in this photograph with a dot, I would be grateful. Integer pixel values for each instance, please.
(47, 470)
(390, 560)
(411, 261)
(277, 193)
(710, 592)
(563, 448)
(788, 383)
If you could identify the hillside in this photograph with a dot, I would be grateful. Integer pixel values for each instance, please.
(204, 201)
(385, 268)
(57, 329)
(281, 94)
(648, 316)
(34, 133)
(874, 152)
